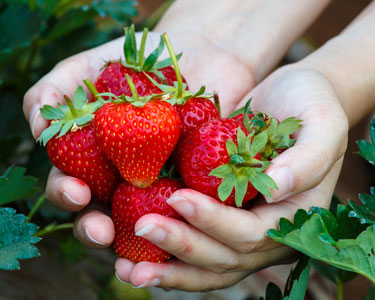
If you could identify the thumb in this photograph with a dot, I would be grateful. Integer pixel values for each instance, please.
(320, 143)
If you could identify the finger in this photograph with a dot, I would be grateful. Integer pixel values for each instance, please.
(94, 228)
(247, 230)
(190, 245)
(66, 192)
(174, 274)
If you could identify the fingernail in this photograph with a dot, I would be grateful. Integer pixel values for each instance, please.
(284, 181)
(149, 283)
(152, 232)
(34, 114)
(68, 198)
(119, 279)
(91, 238)
(181, 205)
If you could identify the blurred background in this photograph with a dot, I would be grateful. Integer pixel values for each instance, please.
(35, 36)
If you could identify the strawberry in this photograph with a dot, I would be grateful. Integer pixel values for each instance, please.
(75, 150)
(279, 133)
(136, 65)
(194, 109)
(128, 205)
(138, 134)
(219, 160)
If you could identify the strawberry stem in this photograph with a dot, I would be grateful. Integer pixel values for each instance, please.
(217, 103)
(91, 87)
(132, 87)
(71, 106)
(175, 65)
(142, 49)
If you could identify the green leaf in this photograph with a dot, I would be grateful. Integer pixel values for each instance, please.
(288, 126)
(51, 113)
(14, 185)
(371, 295)
(221, 171)
(367, 149)
(18, 27)
(262, 182)
(260, 140)
(240, 186)
(296, 285)
(334, 274)
(273, 292)
(130, 46)
(79, 98)
(165, 62)
(226, 187)
(242, 142)
(66, 127)
(50, 132)
(16, 239)
(121, 11)
(153, 57)
(365, 212)
(356, 255)
(231, 147)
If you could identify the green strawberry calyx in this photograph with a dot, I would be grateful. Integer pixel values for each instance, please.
(243, 167)
(279, 133)
(70, 117)
(134, 99)
(137, 61)
(178, 92)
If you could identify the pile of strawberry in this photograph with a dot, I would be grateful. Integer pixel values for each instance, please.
(142, 122)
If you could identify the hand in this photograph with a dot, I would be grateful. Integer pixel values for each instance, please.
(203, 62)
(221, 245)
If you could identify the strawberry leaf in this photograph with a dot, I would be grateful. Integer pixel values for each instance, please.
(166, 62)
(14, 185)
(226, 187)
(231, 147)
(240, 189)
(79, 98)
(365, 212)
(262, 182)
(367, 149)
(221, 171)
(153, 57)
(51, 113)
(16, 239)
(260, 140)
(66, 127)
(50, 132)
(319, 238)
(130, 46)
(242, 142)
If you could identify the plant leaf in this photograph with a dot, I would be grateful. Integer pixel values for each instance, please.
(226, 187)
(130, 46)
(296, 285)
(50, 132)
(153, 57)
(120, 11)
(16, 239)
(260, 140)
(356, 255)
(79, 97)
(14, 185)
(365, 212)
(221, 171)
(262, 182)
(240, 189)
(231, 147)
(166, 62)
(367, 149)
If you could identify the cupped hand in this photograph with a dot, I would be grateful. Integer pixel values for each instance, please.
(221, 245)
(203, 63)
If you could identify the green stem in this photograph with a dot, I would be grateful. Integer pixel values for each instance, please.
(340, 289)
(91, 87)
(132, 87)
(142, 49)
(71, 106)
(217, 103)
(175, 65)
(36, 207)
(52, 228)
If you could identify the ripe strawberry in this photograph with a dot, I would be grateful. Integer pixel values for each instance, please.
(194, 109)
(218, 157)
(113, 80)
(138, 134)
(128, 205)
(75, 151)
(279, 133)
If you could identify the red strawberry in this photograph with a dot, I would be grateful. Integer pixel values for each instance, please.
(279, 133)
(75, 151)
(128, 205)
(194, 109)
(138, 135)
(113, 80)
(219, 160)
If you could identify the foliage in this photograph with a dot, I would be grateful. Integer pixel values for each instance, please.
(16, 239)
(296, 284)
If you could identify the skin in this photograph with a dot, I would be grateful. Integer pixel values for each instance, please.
(313, 90)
